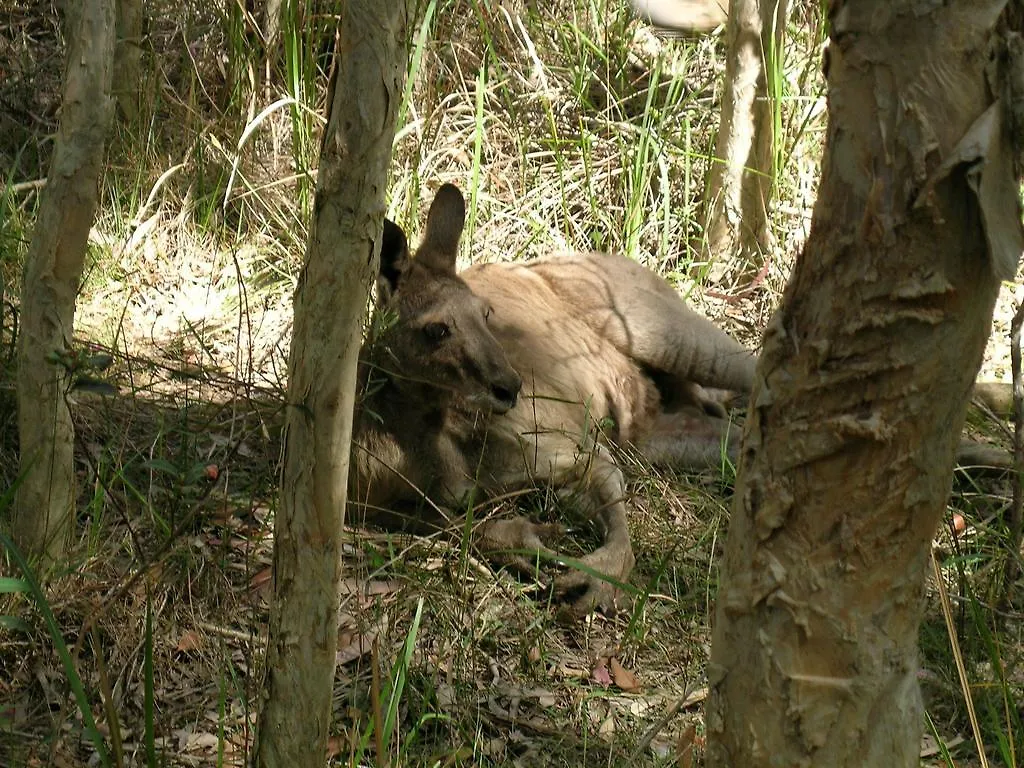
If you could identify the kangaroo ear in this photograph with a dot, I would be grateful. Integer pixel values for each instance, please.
(394, 258)
(445, 220)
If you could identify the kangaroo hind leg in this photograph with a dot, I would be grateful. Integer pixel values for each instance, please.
(690, 439)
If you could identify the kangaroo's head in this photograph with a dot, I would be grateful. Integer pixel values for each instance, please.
(440, 336)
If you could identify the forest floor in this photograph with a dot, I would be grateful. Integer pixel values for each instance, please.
(567, 128)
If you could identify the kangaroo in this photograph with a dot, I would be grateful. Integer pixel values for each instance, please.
(686, 16)
(498, 378)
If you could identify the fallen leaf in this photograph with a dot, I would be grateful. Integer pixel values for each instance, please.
(545, 698)
(369, 588)
(493, 748)
(446, 699)
(353, 645)
(566, 669)
(600, 674)
(930, 747)
(623, 678)
(261, 578)
(684, 747)
(335, 744)
(188, 740)
(204, 740)
(190, 640)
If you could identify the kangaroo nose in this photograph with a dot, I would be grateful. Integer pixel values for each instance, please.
(507, 392)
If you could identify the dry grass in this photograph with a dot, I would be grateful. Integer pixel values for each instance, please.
(570, 126)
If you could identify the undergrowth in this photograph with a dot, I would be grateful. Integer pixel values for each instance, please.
(569, 126)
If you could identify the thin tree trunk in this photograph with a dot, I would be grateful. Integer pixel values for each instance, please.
(128, 57)
(743, 172)
(271, 28)
(53, 268)
(329, 305)
(863, 386)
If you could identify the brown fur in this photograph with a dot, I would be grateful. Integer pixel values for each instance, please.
(694, 16)
(496, 380)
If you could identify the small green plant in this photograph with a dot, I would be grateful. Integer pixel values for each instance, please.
(387, 699)
(12, 586)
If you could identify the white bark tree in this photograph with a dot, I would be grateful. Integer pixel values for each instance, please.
(862, 389)
(742, 173)
(743, 170)
(330, 301)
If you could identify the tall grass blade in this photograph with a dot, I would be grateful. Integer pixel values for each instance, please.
(965, 685)
(107, 698)
(400, 673)
(393, 692)
(148, 690)
(43, 606)
(943, 750)
(478, 143)
(415, 61)
(11, 586)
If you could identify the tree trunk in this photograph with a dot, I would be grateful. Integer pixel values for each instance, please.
(861, 395)
(127, 57)
(329, 306)
(271, 29)
(743, 171)
(53, 268)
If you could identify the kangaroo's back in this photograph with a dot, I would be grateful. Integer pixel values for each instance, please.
(644, 318)
(600, 329)
(574, 375)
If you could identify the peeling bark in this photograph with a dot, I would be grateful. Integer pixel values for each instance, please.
(743, 171)
(862, 391)
(44, 507)
(329, 304)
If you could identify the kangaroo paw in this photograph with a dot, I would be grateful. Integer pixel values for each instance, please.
(598, 583)
(517, 542)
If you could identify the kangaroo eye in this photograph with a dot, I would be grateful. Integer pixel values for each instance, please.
(436, 332)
